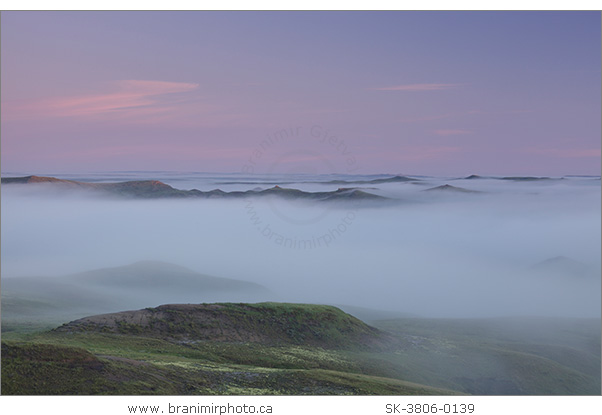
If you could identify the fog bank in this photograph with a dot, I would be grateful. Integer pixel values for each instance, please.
(434, 254)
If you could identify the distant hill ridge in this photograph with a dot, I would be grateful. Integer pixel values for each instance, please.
(34, 179)
(394, 179)
(513, 178)
(562, 265)
(120, 288)
(450, 188)
(264, 323)
(150, 189)
(391, 179)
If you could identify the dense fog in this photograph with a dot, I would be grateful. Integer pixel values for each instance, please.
(440, 253)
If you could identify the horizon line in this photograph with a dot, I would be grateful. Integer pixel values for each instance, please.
(484, 175)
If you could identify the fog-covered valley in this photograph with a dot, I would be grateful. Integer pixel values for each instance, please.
(478, 247)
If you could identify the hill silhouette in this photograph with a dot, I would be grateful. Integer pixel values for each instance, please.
(451, 189)
(264, 323)
(564, 266)
(154, 189)
(126, 287)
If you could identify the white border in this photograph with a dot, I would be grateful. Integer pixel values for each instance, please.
(550, 405)
(318, 405)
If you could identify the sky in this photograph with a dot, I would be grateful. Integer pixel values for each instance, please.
(431, 93)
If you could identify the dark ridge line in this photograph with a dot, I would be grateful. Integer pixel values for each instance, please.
(393, 179)
(450, 188)
(152, 189)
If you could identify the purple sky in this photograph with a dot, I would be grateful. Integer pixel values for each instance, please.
(435, 93)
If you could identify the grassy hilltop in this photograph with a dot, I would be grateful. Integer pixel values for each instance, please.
(265, 348)
(268, 324)
(296, 349)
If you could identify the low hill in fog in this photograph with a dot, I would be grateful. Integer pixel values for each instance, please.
(141, 284)
(564, 267)
(451, 189)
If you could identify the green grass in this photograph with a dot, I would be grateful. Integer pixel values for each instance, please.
(421, 356)
(308, 352)
(531, 357)
(264, 323)
(33, 368)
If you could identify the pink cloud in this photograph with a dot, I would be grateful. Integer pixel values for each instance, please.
(461, 114)
(480, 112)
(566, 153)
(417, 87)
(417, 153)
(427, 118)
(131, 97)
(452, 132)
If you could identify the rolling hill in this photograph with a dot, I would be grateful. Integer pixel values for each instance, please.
(450, 189)
(297, 349)
(145, 283)
(266, 348)
(263, 323)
